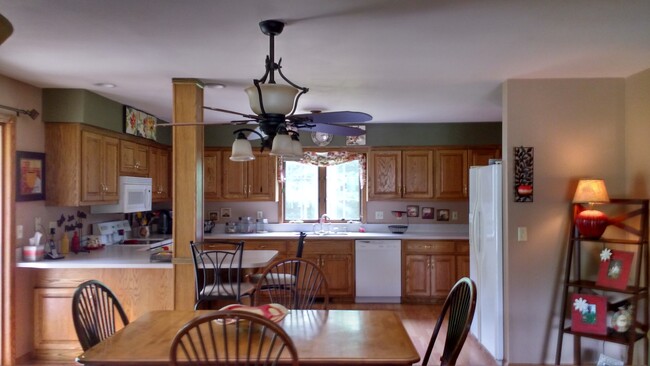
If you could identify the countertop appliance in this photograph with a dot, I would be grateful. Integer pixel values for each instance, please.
(135, 196)
(112, 232)
(378, 271)
(486, 254)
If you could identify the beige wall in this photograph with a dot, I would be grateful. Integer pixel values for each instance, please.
(637, 134)
(577, 127)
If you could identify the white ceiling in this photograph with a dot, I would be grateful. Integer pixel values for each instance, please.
(400, 61)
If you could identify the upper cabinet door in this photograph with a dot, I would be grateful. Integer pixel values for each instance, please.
(262, 178)
(134, 159)
(212, 175)
(451, 173)
(483, 156)
(234, 183)
(384, 175)
(417, 174)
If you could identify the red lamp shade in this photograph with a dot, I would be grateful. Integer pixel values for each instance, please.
(592, 223)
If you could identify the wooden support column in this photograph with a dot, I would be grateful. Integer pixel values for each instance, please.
(187, 178)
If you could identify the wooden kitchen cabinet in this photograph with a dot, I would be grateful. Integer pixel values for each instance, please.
(253, 180)
(336, 259)
(134, 159)
(431, 268)
(452, 170)
(138, 290)
(99, 173)
(159, 171)
(400, 174)
(212, 172)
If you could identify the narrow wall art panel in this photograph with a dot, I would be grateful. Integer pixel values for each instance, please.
(523, 174)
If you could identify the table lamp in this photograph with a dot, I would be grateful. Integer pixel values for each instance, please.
(591, 223)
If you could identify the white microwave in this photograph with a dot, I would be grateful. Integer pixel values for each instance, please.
(135, 196)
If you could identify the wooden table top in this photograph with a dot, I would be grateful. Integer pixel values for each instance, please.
(322, 337)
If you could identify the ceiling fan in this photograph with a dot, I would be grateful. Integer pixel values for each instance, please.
(274, 107)
(5, 28)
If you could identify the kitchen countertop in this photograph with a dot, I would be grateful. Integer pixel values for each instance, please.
(340, 236)
(137, 256)
(110, 256)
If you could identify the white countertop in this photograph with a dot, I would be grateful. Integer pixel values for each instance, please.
(339, 236)
(137, 256)
(110, 256)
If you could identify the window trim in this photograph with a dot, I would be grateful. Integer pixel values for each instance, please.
(322, 187)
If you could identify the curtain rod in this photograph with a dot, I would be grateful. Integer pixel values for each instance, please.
(33, 113)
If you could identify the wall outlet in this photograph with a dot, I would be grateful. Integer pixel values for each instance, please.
(379, 215)
(454, 215)
(19, 232)
(52, 225)
(260, 214)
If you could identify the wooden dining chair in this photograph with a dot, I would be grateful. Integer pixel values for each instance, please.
(94, 313)
(232, 338)
(295, 283)
(218, 273)
(459, 306)
(256, 277)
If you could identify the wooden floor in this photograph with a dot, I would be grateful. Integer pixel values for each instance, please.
(419, 321)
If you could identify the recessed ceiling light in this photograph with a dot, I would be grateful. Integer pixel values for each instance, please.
(105, 85)
(215, 85)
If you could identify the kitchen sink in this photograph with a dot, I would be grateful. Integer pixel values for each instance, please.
(140, 241)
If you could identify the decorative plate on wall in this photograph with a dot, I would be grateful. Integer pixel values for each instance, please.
(321, 138)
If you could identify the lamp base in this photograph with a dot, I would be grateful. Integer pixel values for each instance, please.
(592, 223)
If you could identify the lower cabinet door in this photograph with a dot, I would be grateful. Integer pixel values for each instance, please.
(418, 278)
(54, 334)
(443, 273)
(338, 270)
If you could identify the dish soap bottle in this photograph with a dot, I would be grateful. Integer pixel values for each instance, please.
(65, 243)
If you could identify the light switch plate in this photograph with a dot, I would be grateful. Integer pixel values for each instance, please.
(379, 215)
(454, 215)
(19, 232)
(522, 233)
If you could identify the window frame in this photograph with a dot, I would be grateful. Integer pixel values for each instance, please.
(322, 187)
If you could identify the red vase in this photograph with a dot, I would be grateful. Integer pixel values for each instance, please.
(592, 223)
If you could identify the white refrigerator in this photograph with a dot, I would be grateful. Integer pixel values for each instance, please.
(486, 254)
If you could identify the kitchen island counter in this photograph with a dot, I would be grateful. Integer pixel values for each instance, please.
(110, 256)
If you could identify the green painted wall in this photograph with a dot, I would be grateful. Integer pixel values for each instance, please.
(83, 106)
(391, 134)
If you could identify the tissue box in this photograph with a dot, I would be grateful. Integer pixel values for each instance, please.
(32, 253)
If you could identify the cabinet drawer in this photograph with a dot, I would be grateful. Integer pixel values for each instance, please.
(425, 246)
(280, 246)
(324, 247)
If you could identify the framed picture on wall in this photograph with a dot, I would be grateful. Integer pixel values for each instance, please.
(428, 213)
(30, 176)
(443, 215)
(412, 211)
(214, 216)
(139, 123)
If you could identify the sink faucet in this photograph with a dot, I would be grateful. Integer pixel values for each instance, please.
(323, 223)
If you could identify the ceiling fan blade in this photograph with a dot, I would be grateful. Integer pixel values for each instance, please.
(334, 117)
(251, 116)
(334, 129)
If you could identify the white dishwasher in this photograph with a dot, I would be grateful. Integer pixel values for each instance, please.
(378, 271)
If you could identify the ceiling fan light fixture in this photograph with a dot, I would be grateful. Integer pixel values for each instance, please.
(282, 145)
(296, 146)
(277, 98)
(241, 149)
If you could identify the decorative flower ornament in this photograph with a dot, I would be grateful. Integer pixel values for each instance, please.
(580, 304)
(605, 255)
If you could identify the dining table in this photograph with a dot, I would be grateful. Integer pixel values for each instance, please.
(321, 337)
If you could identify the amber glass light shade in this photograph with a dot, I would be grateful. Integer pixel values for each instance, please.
(277, 98)
(241, 149)
(591, 223)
